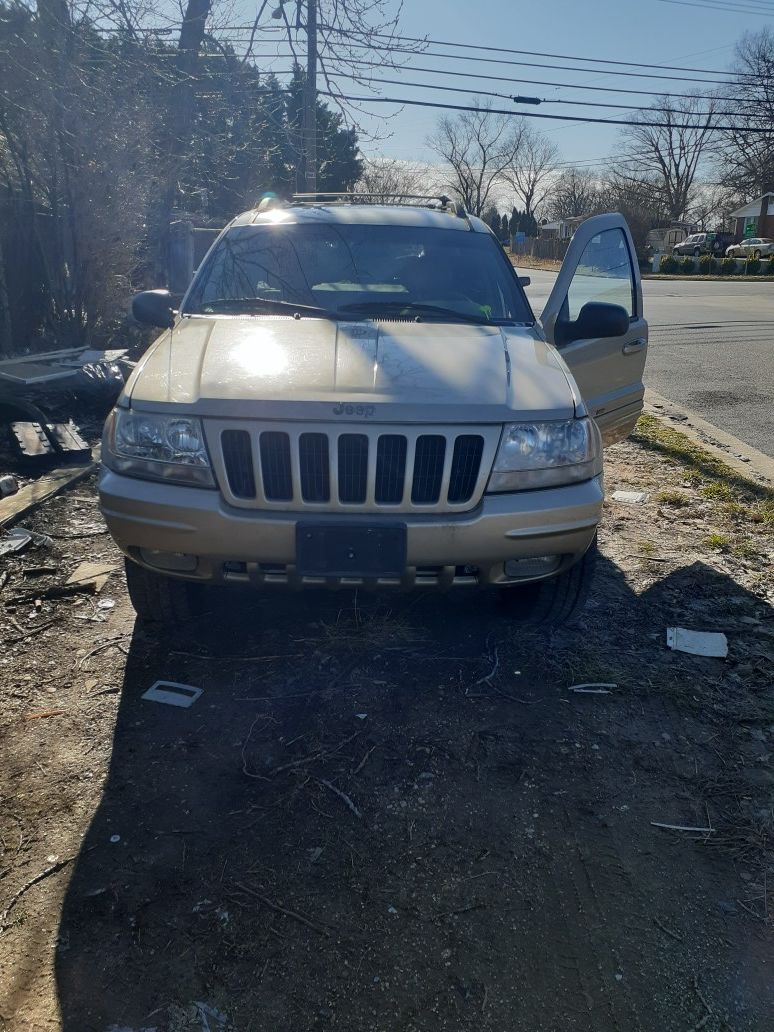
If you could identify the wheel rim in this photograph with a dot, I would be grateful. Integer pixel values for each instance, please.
(757, 254)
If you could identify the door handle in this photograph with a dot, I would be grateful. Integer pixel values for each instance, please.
(634, 346)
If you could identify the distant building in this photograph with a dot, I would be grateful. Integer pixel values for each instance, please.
(755, 219)
(561, 229)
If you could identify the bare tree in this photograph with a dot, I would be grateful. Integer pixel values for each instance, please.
(573, 194)
(745, 153)
(179, 120)
(711, 205)
(638, 198)
(479, 146)
(73, 179)
(383, 178)
(671, 151)
(536, 165)
(350, 35)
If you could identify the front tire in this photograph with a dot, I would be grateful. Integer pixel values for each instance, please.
(757, 254)
(555, 602)
(159, 599)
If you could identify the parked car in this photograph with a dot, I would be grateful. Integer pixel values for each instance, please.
(663, 239)
(703, 243)
(355, 394)
(755, 247)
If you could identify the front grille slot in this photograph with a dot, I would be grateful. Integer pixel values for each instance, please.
(295, 465)
(238, 459)
(390, 469)
(353, 468)
(275, 466)
(313, 464)
(428, 469)
(466, 463)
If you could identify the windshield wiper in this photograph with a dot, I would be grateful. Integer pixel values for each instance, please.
(407, 307)
(263, 303)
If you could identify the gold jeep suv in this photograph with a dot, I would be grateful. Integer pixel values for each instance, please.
(352, 394)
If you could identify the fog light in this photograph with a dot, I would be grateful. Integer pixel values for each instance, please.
(177, 562)
(535, 566)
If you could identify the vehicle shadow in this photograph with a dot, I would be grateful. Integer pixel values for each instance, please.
(339, 832)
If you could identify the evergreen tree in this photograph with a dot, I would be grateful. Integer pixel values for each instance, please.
(339, 165)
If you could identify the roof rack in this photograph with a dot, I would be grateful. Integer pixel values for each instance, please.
(439, 201)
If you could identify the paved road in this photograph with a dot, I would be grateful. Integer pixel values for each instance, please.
(712, 350)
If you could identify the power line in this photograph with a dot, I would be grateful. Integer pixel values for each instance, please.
(509, 50)
(362, 62)
(720, 7)
(525, 64)
(532, 114)
(534, 64)
(360, 78)
(543, 100)
(529, 53)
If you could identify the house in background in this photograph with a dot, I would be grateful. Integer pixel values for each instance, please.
(560, 229)
(755, 219)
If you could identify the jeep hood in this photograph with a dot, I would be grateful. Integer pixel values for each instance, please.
(280, 367)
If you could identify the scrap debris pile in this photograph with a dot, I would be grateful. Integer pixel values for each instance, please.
(40, 394)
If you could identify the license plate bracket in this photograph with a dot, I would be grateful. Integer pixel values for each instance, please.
(343, 550)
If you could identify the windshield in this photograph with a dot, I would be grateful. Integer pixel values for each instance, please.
(356, 270)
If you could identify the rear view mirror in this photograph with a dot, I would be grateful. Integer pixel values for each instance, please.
(595, 319)
(154, 308)
(524, 281)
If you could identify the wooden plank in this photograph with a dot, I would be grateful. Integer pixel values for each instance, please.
(28, 498)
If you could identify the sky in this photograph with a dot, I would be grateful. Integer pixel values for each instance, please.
(649, 31)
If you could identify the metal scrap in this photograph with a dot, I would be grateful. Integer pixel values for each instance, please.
(697, 643)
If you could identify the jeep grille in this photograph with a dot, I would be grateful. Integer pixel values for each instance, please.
(303, 466)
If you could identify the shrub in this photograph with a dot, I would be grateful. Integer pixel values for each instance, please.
(687, 265)
(768, 267)
(752, 266)
(668, 263)
(728, 267)
(707, 264)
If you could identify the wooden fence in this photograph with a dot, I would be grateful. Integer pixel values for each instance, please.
(540, 247)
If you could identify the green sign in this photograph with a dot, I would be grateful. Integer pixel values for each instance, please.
(749, 227)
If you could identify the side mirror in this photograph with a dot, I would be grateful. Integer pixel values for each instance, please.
(595, 319)
(154, 308)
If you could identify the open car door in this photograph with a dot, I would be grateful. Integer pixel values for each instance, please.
(594, 318)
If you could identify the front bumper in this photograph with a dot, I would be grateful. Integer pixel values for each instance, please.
(237, 545)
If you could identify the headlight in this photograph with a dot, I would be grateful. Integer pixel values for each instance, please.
(546, 455)
(169, 448)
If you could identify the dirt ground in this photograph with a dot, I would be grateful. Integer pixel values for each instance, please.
(393, 812)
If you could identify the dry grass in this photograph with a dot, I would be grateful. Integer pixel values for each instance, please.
(717, 482)
(718, 541)
(671, 496)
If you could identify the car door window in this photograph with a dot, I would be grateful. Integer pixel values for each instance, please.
(604, 273)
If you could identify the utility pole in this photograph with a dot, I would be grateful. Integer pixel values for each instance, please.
(309, 114)
(310, 100)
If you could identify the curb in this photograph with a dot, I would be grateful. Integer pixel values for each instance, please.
(741, 457)
(670, 277)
